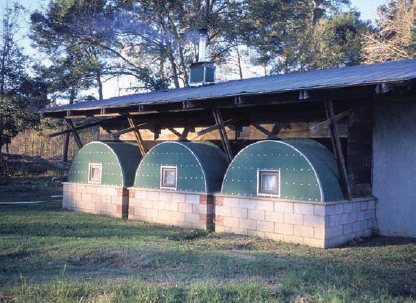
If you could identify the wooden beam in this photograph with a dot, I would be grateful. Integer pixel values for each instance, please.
(336, 143)
(175, 132)
(125, 131)
(67, 131)
(217, 126)
(136, 131)
(327, 122)
(77, 139)
(185, 133)
(223, 133)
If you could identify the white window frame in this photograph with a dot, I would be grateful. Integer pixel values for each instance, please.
(259, 182)
(90, 166)
(162, 169)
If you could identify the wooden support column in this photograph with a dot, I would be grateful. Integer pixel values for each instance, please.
(77, 139)
(336, 143)
(223, 133)
(136, 132)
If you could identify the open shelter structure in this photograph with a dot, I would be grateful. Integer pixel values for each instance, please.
(365, 115)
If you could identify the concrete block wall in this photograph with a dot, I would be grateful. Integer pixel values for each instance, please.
(96, 199)
(189, 210)
(307, 223)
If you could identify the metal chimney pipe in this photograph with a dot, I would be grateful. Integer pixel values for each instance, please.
(203, 40)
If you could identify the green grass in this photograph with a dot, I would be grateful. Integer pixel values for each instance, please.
(51, 255)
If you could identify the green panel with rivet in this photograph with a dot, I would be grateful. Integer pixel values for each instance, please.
(304, 170)
(193, 167)
(103, 163)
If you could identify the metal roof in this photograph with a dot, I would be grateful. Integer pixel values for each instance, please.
(359, 75)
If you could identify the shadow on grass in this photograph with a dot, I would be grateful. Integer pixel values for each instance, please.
(380, 241)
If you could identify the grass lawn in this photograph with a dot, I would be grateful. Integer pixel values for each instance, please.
(51, 255)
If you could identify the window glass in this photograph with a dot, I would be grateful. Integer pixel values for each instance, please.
(94, 175)
(168, 177)
(269, 182)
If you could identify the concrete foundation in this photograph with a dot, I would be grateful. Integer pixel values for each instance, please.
(107, 200)
(308, 223)
(191, 210)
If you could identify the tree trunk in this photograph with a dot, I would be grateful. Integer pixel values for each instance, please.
(240, 69)
(100, 85)
(66, 142)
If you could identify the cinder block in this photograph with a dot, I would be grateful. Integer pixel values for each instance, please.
(193, 218)
(364, 205)
(332, 242)
(230, 202)
(319, 210)
(348, 228)
(273, 217)
(334, 220)
(238, 231)
(101, 207)
(343, 219)
(239, 213)
(347, 207)
(334, 231)
(140, 194)
(360, 215)
(192, 198)
(273, 236)
(283, 207)
(173, 206)
(231, 222)
(122, 192)
(112, 208)
(256, 214)
(165, 196)
(284, 229)
(303, 231)
(157, 204)
(218, 220)
(223, 211)
(339, 208)
(315, 221)
(178, 197)
(222, 229)
(132, 193)
(101, 190)
(178, 217)
(247, 203)
(265, 226)
(265, 205)
(153, 195)
(356, 206)
(96, 198)
(352, 217)
(218, 201)
(305, 209)
(152, 214)
(293, 239)
(293, 219)
(319, 243)
(89, 205)
(111, 191)
(371, 204)
(319, 233)
(247, 224)
(165, 216)
(86, 197)
(201, 209)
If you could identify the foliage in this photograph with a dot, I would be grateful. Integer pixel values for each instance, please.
(20, 91)
(395, 37)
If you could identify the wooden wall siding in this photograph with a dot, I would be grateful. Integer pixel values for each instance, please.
(359, 150)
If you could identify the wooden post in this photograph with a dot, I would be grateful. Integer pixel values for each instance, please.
(336, 143)
(136, 132)
(223, 133)
(77, 139)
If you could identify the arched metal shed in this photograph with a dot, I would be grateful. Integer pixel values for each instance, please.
(192, 167)
(301, 170)
(174, 184)
(99, 176)
(118, 162)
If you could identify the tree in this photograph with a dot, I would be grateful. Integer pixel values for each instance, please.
(20, 93)
(395, 37)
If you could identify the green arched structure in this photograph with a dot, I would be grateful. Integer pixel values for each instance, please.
(307, 171)
(118, 162)
(200, 166)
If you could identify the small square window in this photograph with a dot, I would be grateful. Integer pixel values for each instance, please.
(94, 173)
(168, 177)
(269, 182)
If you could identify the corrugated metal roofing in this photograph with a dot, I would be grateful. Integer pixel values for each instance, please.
(326, 78)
